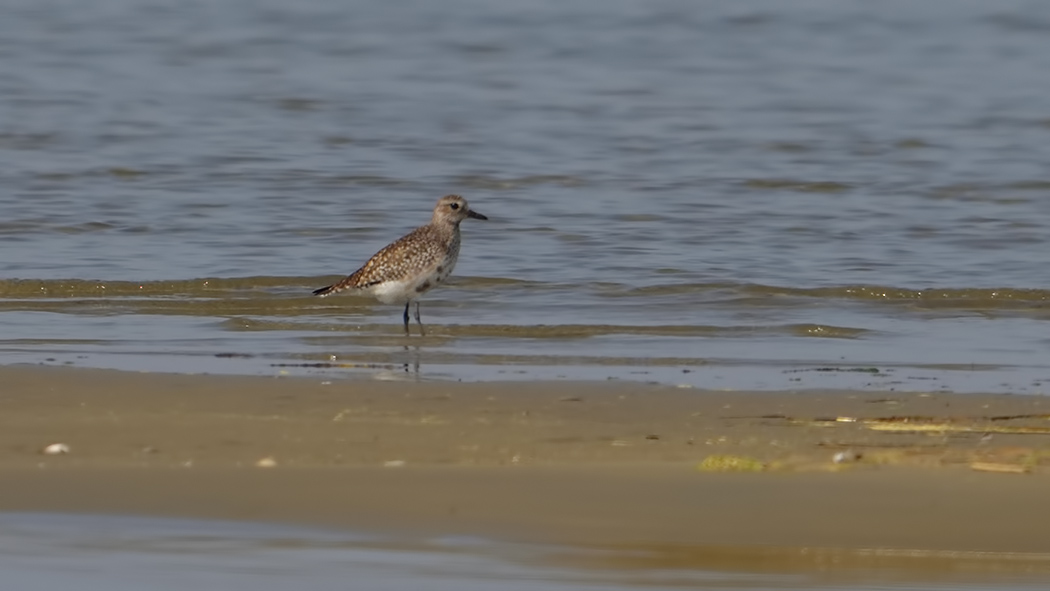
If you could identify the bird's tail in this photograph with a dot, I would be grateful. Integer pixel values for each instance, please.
(350, 282)
(329, 290)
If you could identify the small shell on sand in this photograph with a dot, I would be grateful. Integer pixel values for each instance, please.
(267, 462)
(845, 457)
(55, 449)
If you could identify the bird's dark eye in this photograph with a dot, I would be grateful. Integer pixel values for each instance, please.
(454, 206)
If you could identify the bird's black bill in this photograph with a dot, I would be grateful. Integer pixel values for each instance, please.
(476, 215)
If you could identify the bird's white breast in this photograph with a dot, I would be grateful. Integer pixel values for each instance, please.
(410, 288)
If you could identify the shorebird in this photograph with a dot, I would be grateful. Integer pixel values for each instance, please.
(414, 264)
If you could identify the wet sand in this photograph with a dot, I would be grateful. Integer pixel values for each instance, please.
(604, 464)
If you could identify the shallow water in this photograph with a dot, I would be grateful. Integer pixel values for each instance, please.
(115, 553)
(760, 195)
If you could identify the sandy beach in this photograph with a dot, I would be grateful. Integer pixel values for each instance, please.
(602, 464)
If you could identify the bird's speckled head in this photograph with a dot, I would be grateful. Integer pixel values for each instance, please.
(453, 209)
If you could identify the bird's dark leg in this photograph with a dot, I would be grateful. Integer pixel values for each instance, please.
(422, 330)
(406, 319)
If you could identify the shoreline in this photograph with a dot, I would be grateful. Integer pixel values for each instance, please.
(892, 513)
(591, 464)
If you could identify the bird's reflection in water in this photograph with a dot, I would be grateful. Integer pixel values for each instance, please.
(411, 365)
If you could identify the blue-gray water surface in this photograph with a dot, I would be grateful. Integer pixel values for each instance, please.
(43, 551)
(756, 194)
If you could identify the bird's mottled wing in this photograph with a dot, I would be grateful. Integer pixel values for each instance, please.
(420, 249)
